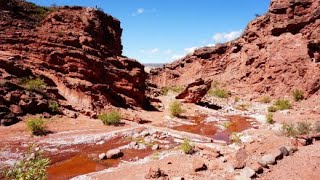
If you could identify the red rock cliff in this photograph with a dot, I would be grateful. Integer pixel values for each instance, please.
(277, 52)
(76, 50)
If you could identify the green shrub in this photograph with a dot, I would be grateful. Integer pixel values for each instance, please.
(304, 128)
(175, 89)
(269, 118)
(297, 95)
(54, 106)
(32, 166)
(265, 99)
(186, 147)
(317, 126)
(110, 118)
(235, 137)
(288, 129)
(37, 126)
(220, 93)
(34, 84)
(175, 108)
(282, 104)
(243, 107)
(272, 109)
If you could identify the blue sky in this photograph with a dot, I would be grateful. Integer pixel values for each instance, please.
(160, 31)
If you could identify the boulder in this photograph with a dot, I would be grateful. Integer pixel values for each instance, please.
(284, 151)
(102, 156)
(198, 165)
(247, 172)
(114, 154)
(266, 160)
(195, 91)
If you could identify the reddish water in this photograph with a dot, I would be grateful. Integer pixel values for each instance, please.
(83, 162)
(210, 129)
(200, 127)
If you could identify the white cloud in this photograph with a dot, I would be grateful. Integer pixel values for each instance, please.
(168, 51)
(138, 12)
(155, 50)
(177, 57)
(225, 37)
(210, 45)
(190, 50)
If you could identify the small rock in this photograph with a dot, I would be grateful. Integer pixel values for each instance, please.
(291, 149)
(144, 133)
(267, 160)
(256, 167)
(114, 154)
(199, 166)
(142, 146)
(15, 109)
(229, 168)
(277, 154)
(247, 172)
(155, 147)
(133, 144)
(154, 174)
(177, 178)
(284, 151)
(102, 156)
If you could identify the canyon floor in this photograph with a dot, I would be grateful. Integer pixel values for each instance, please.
(75, 144)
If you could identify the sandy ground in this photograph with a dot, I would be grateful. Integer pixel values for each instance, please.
(71, 136)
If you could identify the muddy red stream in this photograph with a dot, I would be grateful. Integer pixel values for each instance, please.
(210, 129)
(85, 160)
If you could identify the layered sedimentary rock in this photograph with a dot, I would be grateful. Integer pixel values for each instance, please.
(195, 91)
(76, 51)
(277, 52)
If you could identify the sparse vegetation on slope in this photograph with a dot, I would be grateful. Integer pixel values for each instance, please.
(269, 118)
(32, 166)
(175, 89)
(110, 118)
(298, 95)
(265, 99)
(187, 147)
(35, 84)
(175, 108)
(37, 126)
(218, 92)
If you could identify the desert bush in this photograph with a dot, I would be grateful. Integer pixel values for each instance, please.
(187, 147)
(54, 106)
(37, 126)
(304, 128)
(227, 124)
(269, 118)
(175, 89)
(297, 95)
(176, 108)
(220, 93)
(243, 107)
(36, 84)
(272, 109)
(317, 127)
(288, 129)
(235, 137)
(110, 118)
(282, 104)
(236, 99)
(32, 166)
(265, 99)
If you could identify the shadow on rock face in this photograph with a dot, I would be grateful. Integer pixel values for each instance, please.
(209, 105)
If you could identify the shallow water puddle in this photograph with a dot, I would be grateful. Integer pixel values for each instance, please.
(85, 160)
(210, 129)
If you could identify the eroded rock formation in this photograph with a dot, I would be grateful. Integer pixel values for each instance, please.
(277, 52)
(195, 91)
(76, 51)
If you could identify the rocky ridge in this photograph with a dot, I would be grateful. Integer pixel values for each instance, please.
(277, 52)
(76, 51)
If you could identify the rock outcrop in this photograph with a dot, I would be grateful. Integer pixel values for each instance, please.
(195, 91)
(76, 51)
(277, 52)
